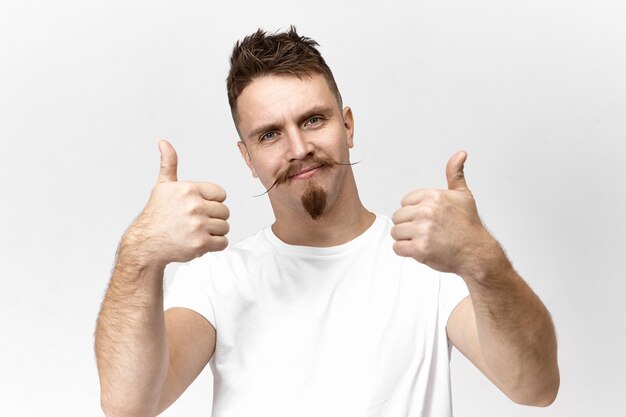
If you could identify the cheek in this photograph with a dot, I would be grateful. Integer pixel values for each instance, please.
(335, 142)
(266, 169)
(343, 149)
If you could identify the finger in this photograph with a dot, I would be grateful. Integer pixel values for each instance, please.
(404, 214)
(455, 174)
(169, 162)
(403, 248)
(217, 243)
(217, 227)
(414, 197)
(211, 192)
(404, 231)
(217, 210)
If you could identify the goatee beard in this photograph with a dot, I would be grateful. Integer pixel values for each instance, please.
(314, 200)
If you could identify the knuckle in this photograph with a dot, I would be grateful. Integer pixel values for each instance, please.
(430, 236)
(436, 196)
(187, 188)
(421, 248)
(193, 208)
(198, 246)
(427, 212)
(198, 242)
(420, 257)
(196, 224)
(429, 229)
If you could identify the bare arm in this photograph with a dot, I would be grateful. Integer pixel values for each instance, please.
(146, 358)
(503, 327)
(191, 339)
(131, 344)
(507, 332)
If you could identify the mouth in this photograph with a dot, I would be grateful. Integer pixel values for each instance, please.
(306, 173)
(288, 175)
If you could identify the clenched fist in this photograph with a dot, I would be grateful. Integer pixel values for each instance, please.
(182, 220)
(441, 228)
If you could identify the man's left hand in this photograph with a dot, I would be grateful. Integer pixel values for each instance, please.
(441, 228)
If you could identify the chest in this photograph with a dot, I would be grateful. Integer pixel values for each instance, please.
(318, 317)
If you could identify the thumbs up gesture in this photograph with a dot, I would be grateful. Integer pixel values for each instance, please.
(182, 220)
(441, 228)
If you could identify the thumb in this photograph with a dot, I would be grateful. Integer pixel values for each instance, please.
(169, 162)
(454, 172)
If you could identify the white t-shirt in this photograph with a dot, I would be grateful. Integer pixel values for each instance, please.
(350, 330)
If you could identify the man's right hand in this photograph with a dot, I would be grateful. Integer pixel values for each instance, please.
(181, 221)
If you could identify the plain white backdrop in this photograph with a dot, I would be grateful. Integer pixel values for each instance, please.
(535, 91)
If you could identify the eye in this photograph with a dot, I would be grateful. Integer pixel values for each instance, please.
(314, 120)
(267, 136)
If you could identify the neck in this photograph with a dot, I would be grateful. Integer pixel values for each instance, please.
(343, 221)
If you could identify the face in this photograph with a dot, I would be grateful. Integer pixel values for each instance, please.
(290, 129)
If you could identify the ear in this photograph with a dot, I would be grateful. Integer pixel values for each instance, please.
(348, 124)
(243, 149)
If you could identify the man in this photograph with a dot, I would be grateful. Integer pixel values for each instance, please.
(331, 311)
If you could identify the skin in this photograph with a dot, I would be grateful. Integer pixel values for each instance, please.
(147, 358)
(284, 121)
(502, 327)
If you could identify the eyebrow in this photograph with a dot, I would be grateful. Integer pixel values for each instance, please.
(262, 129)
(317, 109)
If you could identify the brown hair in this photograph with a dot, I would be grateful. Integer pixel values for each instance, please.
(285, 53)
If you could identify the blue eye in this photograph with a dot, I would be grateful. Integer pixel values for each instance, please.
(267, 136)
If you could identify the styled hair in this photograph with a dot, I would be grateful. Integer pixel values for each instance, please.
(285, 53)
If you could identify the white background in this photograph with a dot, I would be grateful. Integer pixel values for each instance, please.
(534, 90)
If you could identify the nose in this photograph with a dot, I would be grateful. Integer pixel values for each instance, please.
(300, 147)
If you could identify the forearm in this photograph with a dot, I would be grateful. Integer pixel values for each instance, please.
(181, 221)
(131, 343)
(515, 331)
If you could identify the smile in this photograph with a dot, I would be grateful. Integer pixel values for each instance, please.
(306, 173)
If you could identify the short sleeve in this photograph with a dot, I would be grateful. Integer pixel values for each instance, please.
(452, 290)
(191, 288)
